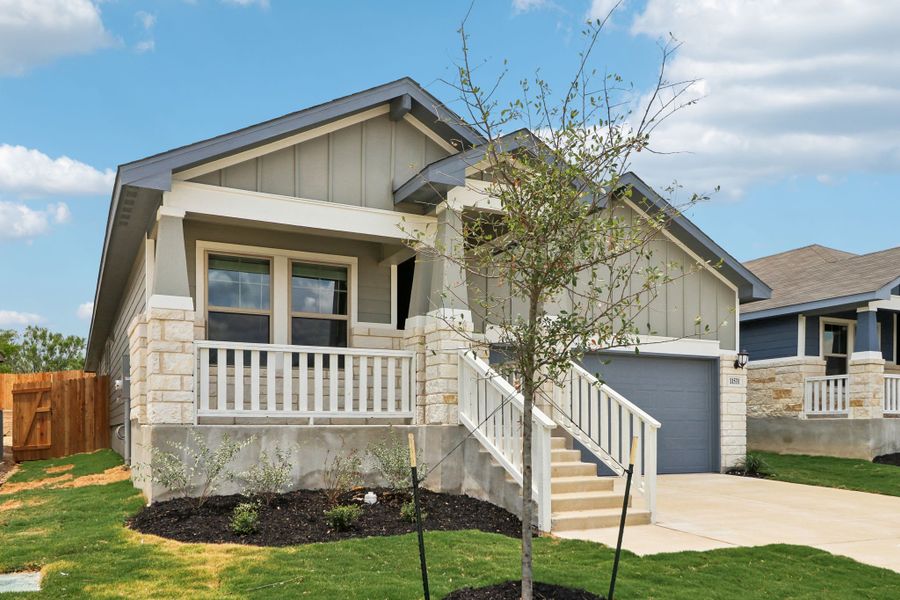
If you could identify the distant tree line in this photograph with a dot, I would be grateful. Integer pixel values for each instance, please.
(38, 349)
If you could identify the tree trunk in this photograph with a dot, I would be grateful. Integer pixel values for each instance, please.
(527, 506)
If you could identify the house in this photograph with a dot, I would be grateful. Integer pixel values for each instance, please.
(823, 371)
(260, 283)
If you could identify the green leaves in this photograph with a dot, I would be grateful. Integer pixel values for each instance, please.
(38, 349)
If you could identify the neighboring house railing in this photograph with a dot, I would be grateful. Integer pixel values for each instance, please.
(268, 380)
(892, 395)
(826, 395)
(604, 422)
(492, 409)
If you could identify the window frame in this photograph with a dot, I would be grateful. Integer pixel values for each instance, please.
(322, 316)
(851, 338)
(207, 307)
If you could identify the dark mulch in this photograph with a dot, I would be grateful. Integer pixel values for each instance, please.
(298, 518)
(743, 473)
(512, 590)
(888, 459)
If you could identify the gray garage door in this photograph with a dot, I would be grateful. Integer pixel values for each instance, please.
(678, 392)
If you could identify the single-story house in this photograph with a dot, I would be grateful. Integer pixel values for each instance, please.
(823, 372)
(260, 283)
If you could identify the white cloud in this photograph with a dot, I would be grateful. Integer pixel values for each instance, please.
(791, 88)
(35, 32)
(145, 46)
(147, 21)
(85, 310)
(261, 3)
(29, 172)
(521, 6)
(601, 8)
(21, 222)
(14, 318)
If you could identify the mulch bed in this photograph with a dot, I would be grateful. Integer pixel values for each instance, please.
(888, 459)
(742, 473)
(512, 590)
(298, 518)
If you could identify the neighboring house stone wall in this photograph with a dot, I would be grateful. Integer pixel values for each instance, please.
(776, 387)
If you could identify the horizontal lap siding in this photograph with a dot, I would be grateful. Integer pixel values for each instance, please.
(770, 338)
(133, 303)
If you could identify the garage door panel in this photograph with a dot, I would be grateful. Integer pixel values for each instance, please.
(680, 393)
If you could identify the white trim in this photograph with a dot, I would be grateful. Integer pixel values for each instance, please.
(801, 335)
(896, 360)
(430, 134)
(851, 335)
(149, 268)
(394, 296)
(786, 360)
(168, 211)
(867, 355)
(260, 207)
(868, 308)
(281, 317)
(170, 302)
(892, 304)
(654, 344)
(280, 144)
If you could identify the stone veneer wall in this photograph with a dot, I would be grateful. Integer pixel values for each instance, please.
(866, 387)
(733, 411)
(775, 387)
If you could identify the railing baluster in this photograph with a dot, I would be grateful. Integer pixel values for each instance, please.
(271, 375)
(254, 380)
(376, 384)
(302, 382)
(391, 385)
(348, 384)
(363, 384)
(287, 374)
(204, 379)
(238, 380)
(333, 383)
(404, 384)
(221, 379)
(317, 382)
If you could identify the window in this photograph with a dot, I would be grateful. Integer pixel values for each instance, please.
(319, 301)
(238, 299)
(835, 342)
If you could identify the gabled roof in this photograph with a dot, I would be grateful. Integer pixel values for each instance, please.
(434, 180)
(817, 278)
(138, 187)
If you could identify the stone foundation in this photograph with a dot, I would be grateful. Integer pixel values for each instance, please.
(775, 387)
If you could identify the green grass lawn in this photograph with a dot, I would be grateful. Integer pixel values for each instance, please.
(76, 536)
(844, 473)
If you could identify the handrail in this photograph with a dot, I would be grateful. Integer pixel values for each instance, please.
(619, 397)
(492, 409)
(825, 395)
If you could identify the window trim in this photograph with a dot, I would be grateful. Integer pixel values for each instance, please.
(281, 307)
(851, 336)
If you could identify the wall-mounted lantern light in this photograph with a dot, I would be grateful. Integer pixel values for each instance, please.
(741, 361)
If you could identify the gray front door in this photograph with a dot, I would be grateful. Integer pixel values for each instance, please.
(681, 393)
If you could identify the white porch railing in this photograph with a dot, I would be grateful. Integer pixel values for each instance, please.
(892, 395)
(268, 380)
(827, 395)
(604, 422)
(492, 409)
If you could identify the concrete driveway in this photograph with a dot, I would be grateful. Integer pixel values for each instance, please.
(708, 511)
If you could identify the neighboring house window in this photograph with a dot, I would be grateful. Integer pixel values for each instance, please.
(319, 301)
(239, 304)
(835, 343)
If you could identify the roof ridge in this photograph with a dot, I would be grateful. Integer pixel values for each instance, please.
(813, 247)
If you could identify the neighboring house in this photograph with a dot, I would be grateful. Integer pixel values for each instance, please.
(823, 371)
(260, 283)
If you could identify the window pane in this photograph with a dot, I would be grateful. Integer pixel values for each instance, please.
(318, 289)
(835, 339)
(318, 332)
(835, 365)
(238, 282)
(229, 327)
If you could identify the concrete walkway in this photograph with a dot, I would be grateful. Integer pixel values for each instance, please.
(708, 511)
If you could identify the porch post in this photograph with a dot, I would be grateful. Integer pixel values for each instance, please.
(866, 368)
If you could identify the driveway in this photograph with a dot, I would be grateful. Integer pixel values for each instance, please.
(709, 510)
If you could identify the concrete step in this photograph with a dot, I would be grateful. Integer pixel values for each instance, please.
(596, 519)
(558, 442)
(559, 455)
(583, 483)
(570, 501)
(571, 469)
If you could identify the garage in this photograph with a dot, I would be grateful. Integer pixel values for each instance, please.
(681, 393)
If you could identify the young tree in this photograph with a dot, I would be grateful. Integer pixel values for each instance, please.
(9, 347)
(43, 350)
(566, 264)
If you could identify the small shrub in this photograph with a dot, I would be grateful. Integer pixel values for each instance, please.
(341, 475)
(177, 470)
(343, 517)
(408, 512)
(391, 457)
(269, 477)
(245, 518)
(753, 464)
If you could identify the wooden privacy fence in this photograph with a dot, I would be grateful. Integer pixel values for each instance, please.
(8, 380)
(58, 418)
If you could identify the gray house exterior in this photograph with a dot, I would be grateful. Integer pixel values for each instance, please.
(823, 372)
(262, 282)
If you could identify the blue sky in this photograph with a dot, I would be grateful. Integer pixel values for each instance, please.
(798, 123)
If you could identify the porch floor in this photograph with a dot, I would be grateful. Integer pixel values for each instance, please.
(708, 511)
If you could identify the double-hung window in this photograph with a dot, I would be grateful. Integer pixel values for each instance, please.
(239, 303)
(319, 304)
(835, 344)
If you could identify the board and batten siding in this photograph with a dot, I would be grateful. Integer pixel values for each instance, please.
(771, 338)
(359, 164)
(693, 293)
(374, 281)
(132, 304)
